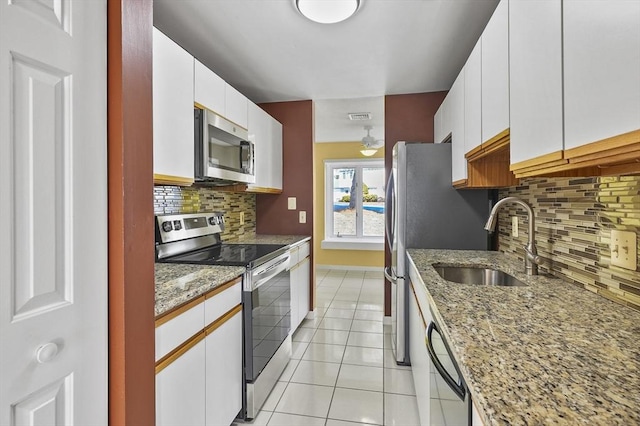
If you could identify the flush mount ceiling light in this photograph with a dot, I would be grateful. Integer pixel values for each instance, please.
(327, 11)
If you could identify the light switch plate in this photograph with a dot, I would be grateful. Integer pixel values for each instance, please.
(303, 216)
(514, 226)
(623, 249)
(291, 203)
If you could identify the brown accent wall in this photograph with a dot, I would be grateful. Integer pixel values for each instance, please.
(272, 215)
(406, 118)
(131, 232)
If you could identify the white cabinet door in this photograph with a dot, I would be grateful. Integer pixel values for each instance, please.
(266, 134)
(178, 330)
(601, 69)
(495, 73)
(236, 106)
(172, 109)
(473, 99)
(180, 389)
(209, 89)
(275, 154)
(456, 105)
(294, 280)
(476, 419)
(419, 359)
(305, 290)
(535, 61)
(224, 372)
(445, 118)
(437, 126)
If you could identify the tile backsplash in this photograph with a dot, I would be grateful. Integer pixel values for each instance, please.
(573, 222)
(176, 199)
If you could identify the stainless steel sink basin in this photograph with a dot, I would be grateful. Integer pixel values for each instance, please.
(479, 276)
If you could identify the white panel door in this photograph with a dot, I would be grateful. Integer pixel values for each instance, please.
(601, 69)
(495, 73)
(53, 204)
(535, 67)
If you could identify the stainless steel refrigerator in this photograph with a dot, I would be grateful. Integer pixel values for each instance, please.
(423, 210)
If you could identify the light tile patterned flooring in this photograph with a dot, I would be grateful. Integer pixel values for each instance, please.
(342, 372)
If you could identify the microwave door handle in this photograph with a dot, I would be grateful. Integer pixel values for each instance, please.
(455, 387)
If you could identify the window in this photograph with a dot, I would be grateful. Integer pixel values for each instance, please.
(354, 204)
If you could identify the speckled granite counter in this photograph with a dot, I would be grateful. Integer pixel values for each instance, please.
(290, 240)
(176, 284)
(547, 353)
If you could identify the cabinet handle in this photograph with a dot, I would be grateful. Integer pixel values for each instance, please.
(46, 352)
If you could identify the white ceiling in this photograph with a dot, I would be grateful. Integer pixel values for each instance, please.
(267, 50)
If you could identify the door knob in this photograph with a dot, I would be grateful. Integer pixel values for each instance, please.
(46, 352)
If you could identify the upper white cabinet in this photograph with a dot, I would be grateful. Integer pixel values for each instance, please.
(266, 134)
(173, 132)
(236, 106)
(473, 99)
(209, 90)
(535, 61)
(442, 121)
(495, 73)
(456, 106)
(601, 69)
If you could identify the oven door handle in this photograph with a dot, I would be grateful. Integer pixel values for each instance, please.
(270, 272)
(455, 387)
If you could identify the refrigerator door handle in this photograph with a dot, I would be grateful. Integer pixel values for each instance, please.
(388, 273)
(389, 208)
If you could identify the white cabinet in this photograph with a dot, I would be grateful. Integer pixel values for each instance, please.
(209, 89)
(601, 69)
(199, 362)
(456, 106)
(535, 61)
(419, 359)
(473, 99)
(495, 73)
(442, 120)
(224, 372)
(236, 106)
(173, 132)
(476, 419)
(266, 134)
(300, 284)
(180, 389)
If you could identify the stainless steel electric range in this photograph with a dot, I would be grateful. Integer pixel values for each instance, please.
(195, 239)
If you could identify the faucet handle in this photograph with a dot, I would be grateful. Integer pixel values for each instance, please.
(533, 257)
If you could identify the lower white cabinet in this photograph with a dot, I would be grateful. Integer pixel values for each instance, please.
(476, 420)
(180, 389)
(300, 285)
(224, 372)
(420, 362)
(199, 379)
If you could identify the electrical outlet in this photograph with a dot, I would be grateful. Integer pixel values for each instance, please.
(514, 226)
(303, 216)
(291, 203)
(241, 218)
(623, 249)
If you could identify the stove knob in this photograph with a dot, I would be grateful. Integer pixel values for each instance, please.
(166, 226)
(177, 225)
(213, 221)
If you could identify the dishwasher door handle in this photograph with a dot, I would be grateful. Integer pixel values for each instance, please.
(455, 387)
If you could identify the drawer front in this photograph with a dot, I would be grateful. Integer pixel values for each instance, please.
(177, 330)
(294, 256)
(220, 302)
(303, 251)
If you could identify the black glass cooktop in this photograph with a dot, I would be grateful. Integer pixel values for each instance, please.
(227, 254)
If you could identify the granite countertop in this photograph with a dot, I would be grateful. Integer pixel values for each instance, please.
(291, 240)
(177, 284)
(547, 353)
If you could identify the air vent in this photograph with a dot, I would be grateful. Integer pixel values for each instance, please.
(359, 116)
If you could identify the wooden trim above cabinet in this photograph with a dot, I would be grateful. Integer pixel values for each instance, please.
(497, 143)
(461, 183)
(171, 180)
(474, 154)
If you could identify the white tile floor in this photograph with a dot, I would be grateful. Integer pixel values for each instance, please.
(342, 372)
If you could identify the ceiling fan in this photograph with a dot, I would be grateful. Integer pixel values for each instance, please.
(370, 143)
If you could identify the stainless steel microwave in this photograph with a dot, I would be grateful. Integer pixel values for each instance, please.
(223, 153)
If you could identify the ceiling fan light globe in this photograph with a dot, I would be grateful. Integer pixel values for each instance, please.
(327, 11)
(368, 152)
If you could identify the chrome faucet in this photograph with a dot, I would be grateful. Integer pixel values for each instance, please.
(531, 258)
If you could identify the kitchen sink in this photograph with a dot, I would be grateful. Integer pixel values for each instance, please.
(478, 276)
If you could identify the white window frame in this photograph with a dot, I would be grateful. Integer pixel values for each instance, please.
(359, 241)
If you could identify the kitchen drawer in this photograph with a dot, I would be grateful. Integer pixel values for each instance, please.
(178, 325)
(303, 251)
(222, 299)
(294, 256)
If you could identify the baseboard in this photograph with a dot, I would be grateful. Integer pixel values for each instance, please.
(351, 268)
